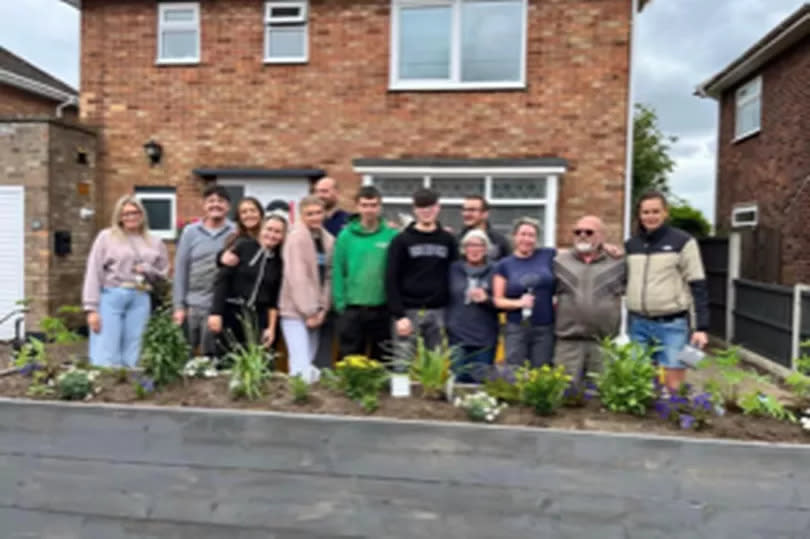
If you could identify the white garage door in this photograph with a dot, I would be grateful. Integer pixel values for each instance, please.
(12, 257)
(290, 190)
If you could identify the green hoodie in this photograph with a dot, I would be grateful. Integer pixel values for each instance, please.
(358, 265)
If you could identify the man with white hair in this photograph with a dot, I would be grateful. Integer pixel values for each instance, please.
(590, 286)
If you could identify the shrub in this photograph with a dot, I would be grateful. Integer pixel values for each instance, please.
(501, 384)
(251, 363)
(360, 379)
(165, 349)
(759, 404)
(727, 381)
(299, 389)
(31, 357)
(55, 328)
(76, 384)
(543, 389)
(480, 407)
(799, 384)
(626, 384)
(429, 367)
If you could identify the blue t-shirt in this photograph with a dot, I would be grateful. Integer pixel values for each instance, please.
(534, 274)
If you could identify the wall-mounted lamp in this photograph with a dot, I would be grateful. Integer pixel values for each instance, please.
(154, 152)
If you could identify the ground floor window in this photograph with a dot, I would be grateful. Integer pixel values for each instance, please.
(160, 204)
(511, 195)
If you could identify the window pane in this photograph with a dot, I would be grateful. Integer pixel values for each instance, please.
(502, 218)
(178, 15)
(398, 214)
(285, 12)
(398, 187)
(491, 39)
(518, 188)
(286, 41)
(159, 213)
(424, 42)
(748, 117)
(457, 187)
(179, 44)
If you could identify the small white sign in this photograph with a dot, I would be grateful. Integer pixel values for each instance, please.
(400, 385)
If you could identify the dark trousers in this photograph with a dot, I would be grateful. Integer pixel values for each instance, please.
(326, 340)
(364, 331)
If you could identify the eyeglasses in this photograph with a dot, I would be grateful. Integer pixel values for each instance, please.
(584, 232)
(472, 244)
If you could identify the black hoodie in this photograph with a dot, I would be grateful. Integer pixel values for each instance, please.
(418, 269)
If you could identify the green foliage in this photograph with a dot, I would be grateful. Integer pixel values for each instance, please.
(803, 361)
(431, 368)
(370, 403)
(502, 389)
(121, 375)
(799, 384)
(626, 384)
(651, 161)
(480, 407)
(543, 389)
(31, 356)
(689, 219)
(759, 404)
(143, 386)
(55, 328)
(299, 389)
(360, 379)
(165, 349)
(724, 385)
(76, 384)
(251, 364)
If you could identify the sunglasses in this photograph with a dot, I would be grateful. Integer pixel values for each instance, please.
(584, 232)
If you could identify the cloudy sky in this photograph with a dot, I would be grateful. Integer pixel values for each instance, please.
(681, 43)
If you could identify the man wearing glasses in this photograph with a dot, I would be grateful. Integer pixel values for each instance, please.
(590, 286)
(475, 214)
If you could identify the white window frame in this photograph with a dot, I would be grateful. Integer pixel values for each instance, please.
(171, 196)
(454, 82)
(739, 102)
(736, 222)
(163, 26)
(549, 202)
(301, 20)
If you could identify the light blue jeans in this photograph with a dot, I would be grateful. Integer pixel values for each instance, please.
(669, 336)
(124, 313)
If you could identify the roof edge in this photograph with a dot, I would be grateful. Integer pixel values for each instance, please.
(36, 87)
(784, 35)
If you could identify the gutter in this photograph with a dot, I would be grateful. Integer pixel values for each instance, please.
(66, 103)
(628, 173)
(36, 87)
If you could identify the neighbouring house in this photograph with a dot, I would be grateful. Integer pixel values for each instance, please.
(26, 90)
(524, 101)
(763, 155)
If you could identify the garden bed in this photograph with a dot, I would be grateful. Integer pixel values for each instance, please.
(214, 393)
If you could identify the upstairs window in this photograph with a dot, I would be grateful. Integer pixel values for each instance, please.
(286, 32)
(458, 44)
(748, 109)
(178, 33)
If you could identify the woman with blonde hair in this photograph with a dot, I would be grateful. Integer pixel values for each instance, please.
(124, 260)
(306, 286)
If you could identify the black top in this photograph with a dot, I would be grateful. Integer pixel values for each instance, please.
(255, 281)
(418, 269)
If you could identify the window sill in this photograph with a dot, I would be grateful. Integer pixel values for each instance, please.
(178, 62)
(285, 61)
(746, 136)
(454, 86)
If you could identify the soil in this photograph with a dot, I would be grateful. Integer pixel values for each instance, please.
(213, 393)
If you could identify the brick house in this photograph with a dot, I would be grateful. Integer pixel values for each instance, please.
(26, 90)
(525, 101)
(763, 172)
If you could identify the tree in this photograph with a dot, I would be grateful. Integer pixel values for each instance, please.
(651, 161)
(689, 219)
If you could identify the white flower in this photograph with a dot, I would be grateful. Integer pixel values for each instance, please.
(490, 417)
(458, 402)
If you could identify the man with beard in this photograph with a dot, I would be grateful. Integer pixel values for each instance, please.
(475, 214)
(590, 286)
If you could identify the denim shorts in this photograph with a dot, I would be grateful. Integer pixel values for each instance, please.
(670, 337)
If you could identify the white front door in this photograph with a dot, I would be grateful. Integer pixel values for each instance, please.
(266, 190)
(12, 261)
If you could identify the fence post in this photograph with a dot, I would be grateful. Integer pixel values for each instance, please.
(796, 333)
(734, 258)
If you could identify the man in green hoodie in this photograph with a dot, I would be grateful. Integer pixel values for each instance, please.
(358, 278)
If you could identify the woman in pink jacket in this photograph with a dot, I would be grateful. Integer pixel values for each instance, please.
(123, 261)
(306, 286)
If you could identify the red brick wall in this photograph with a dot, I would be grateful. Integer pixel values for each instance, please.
(773, 166)
(234, 111)
(14, 101)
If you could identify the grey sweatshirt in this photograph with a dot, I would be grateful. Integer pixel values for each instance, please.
(195, 264)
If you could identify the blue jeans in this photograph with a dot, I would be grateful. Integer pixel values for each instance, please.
(669, 336)
(473, 364)
(124, 313)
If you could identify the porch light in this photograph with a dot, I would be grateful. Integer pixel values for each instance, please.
(154, 152)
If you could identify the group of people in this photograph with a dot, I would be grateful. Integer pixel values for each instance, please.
(380, 287)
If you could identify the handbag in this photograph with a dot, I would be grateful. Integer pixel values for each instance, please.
(156, 286)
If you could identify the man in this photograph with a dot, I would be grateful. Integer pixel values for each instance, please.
(590, 286)
(336, 219)
(195, 268)
(358, 278)
(475, 214)
(417, 275)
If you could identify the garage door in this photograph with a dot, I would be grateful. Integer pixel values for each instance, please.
(266, 190)
(12, 259)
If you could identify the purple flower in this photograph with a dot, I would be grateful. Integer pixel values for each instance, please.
(663, 409)
(147, 384)
(29, 368)
(703, 401)
(687, 421)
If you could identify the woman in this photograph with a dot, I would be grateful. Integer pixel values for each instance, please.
(124, 260)
(249, 216)
(248, 292)
(305, 291)
(523, 286)
(472, 320)
(665, 279)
